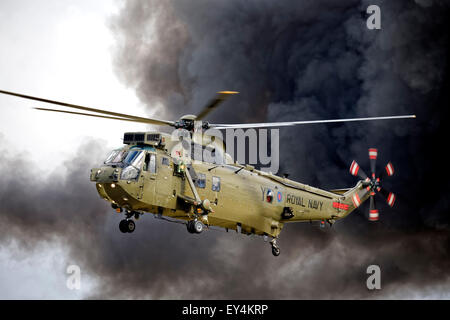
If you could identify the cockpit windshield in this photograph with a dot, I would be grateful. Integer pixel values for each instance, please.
(134, 158)
(116, 156)
(129, 159)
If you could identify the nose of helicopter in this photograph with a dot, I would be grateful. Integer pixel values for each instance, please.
(105, 174)
(106, 179)
(109, 187)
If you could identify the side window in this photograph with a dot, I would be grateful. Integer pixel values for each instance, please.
(201, 180)
(215, 183)
(150, 163)
(165, 161)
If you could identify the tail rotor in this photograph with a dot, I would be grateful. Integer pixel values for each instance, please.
(372, 184)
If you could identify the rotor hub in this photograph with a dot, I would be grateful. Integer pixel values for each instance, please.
(375, 184)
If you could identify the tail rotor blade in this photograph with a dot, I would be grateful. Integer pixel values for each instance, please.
(387, 172)
(389, 169)
(355, 170)
(357, 196)
(373, 154)
(390, 197)
(373, 212)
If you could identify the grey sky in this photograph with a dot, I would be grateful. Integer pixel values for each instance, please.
(58, 50)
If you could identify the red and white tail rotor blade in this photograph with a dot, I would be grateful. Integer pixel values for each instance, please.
(373, 211)
(358, 196)
(355, 170)
(389, 169)
(390, 197)
(373, 154)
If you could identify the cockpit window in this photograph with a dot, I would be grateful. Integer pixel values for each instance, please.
(111, 156)
(116, 156)
(133, 163)
(134, 157)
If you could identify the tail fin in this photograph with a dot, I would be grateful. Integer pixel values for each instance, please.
(354, 197)
(357, 195)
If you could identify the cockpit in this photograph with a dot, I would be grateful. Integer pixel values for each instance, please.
(132, 161)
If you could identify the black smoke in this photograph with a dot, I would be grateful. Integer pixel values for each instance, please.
(301, 60)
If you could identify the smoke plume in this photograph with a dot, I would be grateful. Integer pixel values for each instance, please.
(291, 60)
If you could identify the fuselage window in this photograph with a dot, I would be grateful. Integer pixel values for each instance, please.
(165, 161)
(201, 180)
(215, 184)
(150, 163)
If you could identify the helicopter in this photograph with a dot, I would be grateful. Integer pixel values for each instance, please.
(155, 172)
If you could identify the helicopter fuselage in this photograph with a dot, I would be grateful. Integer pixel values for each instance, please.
(241, 198)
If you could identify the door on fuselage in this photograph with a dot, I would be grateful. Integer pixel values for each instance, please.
(165, 194)
(148, 178)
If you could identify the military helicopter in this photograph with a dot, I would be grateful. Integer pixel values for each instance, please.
(154, 172)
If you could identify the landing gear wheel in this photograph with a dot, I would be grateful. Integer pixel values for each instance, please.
(127, 226)
(122, 226)
(190, 226)
(275, 248)
(130, 226)
(198, 226)
(275, 251)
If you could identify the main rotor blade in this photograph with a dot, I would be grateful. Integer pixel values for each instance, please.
(293, 123)
(221, 96)
(69, 105)
(89, 115)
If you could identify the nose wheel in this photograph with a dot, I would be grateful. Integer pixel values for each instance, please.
(127, 226)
